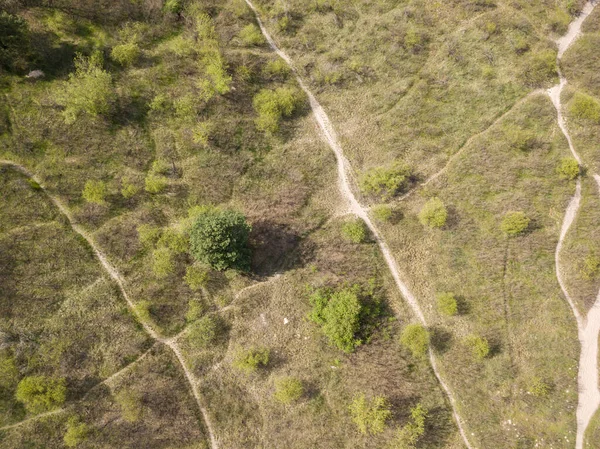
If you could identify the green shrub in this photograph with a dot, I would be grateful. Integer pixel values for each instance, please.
(433, 213)
(277, 68)
(382, 212)
(173, 6)
(155, 183)
(415, 338)
(354, 231)
(568, 168)
(219, 238)
(585, 107)
(272, 105)
(480, 347)
(186, 107)
(129, 189)
(148, 235)
(410, 434)
(9, 374)
(338, 313)
(131, 406)
(176, 241)
(248, 361)
(88, 91)
(195, 310)
(288, 390)
(125, 54)
(514, 223)
(538, 388)
(142, 310)
(370, 416)
(446, 303)
(541, 68)
(94, 192)
(250, 35)
(159, 103)
(386, 182)
(14, 42)
(40, 393)
(77, 432)
(520, 139)
(196, 276)
(203, 332)
(162, 262)
(591, 266)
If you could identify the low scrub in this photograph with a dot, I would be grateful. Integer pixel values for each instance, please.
(41, 394)
(415, 338)
(250, 360)
(272, 105)
(585, 107)
(370, 415)
(514, 223)
(288, 390)
(433, 214)
(354, 231)
(386, 182)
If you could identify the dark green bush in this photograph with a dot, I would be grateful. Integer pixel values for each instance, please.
(219, 238)
(14, 42)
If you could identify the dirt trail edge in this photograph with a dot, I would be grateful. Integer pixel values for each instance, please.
(116, 276)
(589, 326)
(359, 210)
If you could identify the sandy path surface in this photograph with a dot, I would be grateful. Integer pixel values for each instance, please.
(589, 326)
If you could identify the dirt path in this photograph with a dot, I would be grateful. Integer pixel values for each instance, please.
(359, 210)
(116, 276)
(589, 326)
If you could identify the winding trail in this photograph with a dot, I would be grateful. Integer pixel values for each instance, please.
(344, 170)
(588, 326)
(117, 278)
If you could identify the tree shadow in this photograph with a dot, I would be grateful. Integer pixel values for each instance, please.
(272, 244)
(441, 339)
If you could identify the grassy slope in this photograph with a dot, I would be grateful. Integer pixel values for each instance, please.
(454, 89)
(282, 183)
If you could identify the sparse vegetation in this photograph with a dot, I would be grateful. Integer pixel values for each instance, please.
(130, 402)
(370, 415)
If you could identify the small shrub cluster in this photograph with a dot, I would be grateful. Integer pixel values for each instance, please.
(195, 310)
(126, 54)
(591, 266)
(94, 192)
(354, 231)
(514, 223)
(128, 188)
(88, 91)
(77, 432)
(446, 303)
(409, 435)
(415, 338)
(386, 182)
(130, 402)
(538, 388)
(585, 107)
(272, 105)
(204, 331)
(196, 276)
(433, 214)
(277, 68)
(251, 36)
(288, 390)
(250, 360)
(480, 347)
(370, 416)
(568, 168)
(40, 393)
(338, 313)
(162, 262)
(155, 181)
(219, 238)
(383, 212)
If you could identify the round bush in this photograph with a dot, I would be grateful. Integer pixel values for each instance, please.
(416, 339)
(94, 192)
(125, 54)
(479, 346)
(288, 390)
(568, 168)
(433, 213)
(219, 238)
(354, 231)
(514, 223)
(446, 303)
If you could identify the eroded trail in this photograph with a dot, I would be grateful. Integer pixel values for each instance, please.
(588, 326)
(359, 210)
(116, 277)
